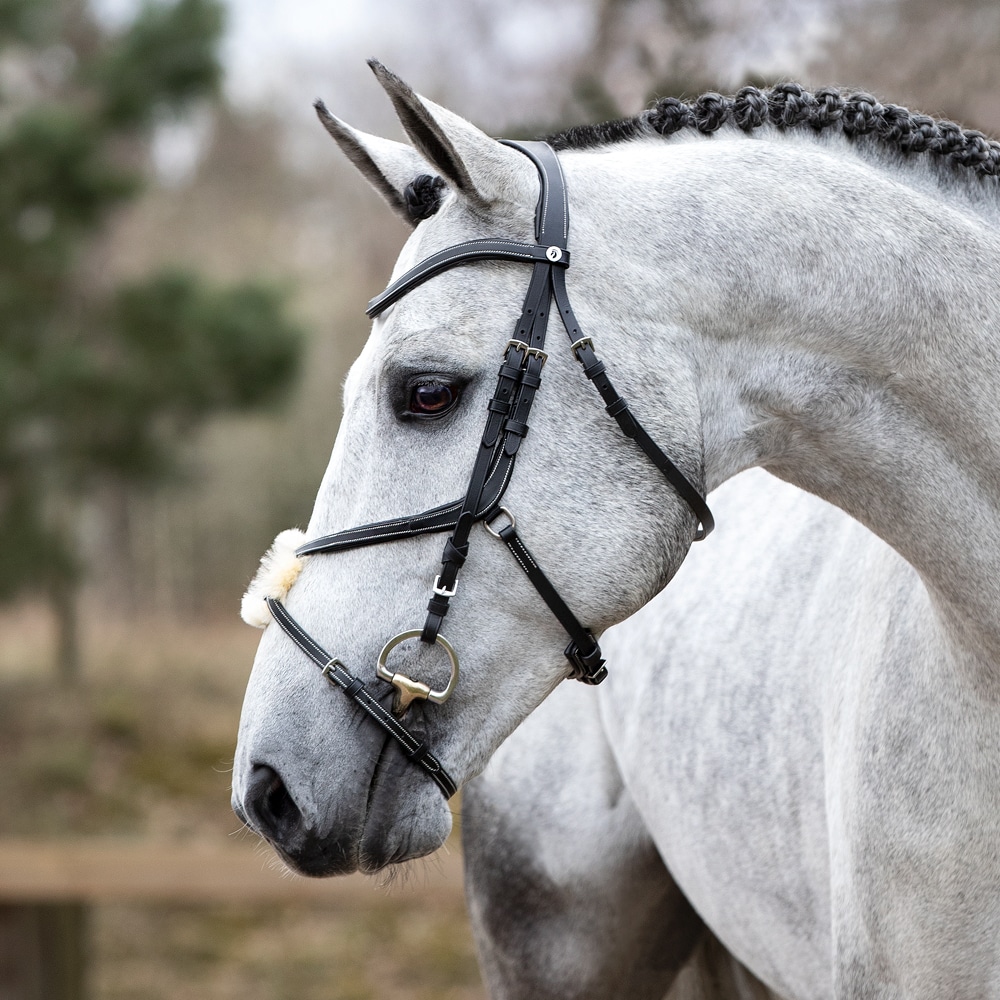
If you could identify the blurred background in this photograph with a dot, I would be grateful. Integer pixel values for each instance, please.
(184, 263)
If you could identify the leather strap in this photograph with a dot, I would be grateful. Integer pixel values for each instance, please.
(552, 210)
(583, 651)
(617, 407)
(462, 253)
(356, 689)
(552, 233)
(496, 451)
(441, 518)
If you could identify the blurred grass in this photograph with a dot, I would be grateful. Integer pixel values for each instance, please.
(143, 747)
(390, 950)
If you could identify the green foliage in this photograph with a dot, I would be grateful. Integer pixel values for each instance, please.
(25, 20)
(97, 385)
(165, 59)
(195, 349)
(187, 350)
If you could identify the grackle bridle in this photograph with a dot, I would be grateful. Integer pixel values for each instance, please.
(506, 426)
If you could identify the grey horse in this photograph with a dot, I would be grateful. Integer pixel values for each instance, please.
(804, 282)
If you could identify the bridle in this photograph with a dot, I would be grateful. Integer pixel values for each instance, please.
(518, 380)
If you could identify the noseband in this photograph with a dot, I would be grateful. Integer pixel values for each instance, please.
(506, 426)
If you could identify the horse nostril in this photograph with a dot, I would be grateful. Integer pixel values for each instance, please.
(278, 802)
(268, 804)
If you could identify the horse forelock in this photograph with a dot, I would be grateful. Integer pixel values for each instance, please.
(423, 196)
(790, 106)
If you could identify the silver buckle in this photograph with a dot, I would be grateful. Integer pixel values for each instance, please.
(577, 344)
(529, 350)
(444, 591)
(328, 668)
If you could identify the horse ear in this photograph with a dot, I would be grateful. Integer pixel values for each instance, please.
(478, 167)
(389, 166)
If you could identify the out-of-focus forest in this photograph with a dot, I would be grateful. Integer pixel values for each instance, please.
(263, 193)
(241, 184)
(184, 263)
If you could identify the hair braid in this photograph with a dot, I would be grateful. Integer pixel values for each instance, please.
(711, 112)
(789, 106)
(670, 115)
(894, 124)
(923, 131)
(422, 197)
(859, 114)
(750, 108)
(829, 109)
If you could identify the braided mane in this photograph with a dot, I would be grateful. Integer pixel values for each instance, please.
(789, 106)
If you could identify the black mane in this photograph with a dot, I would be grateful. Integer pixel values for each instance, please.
(790, 106)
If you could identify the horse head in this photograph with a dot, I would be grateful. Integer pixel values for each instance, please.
(330, 790)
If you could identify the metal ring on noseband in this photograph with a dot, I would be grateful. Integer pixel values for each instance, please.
(408, 690)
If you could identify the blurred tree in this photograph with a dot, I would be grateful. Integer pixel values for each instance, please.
(103, 384)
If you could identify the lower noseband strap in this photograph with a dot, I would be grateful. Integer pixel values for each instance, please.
(355, 689)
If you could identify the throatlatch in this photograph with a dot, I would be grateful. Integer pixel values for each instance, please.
(518, 379)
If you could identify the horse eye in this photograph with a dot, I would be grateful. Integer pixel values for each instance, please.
(433, 399)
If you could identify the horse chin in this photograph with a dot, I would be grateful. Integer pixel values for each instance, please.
(406, 820)
(390, 836)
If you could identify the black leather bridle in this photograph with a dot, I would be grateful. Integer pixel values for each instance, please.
(506, 426)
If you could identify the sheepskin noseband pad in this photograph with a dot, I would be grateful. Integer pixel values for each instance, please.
(278, 570)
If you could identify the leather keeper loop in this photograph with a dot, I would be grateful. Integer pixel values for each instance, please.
(498, 406)
(592, 371)
(620, 411)
(617, 406)
(516, 427)
(454, 554)
(438, 605)
(506, 371)
(354, 687)
(531, 380)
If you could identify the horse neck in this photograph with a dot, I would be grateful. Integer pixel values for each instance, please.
(846, 326)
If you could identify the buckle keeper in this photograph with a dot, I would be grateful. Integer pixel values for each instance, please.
(588, 668)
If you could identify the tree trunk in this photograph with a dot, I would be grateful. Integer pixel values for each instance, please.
(64, 597)
(43, 951)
